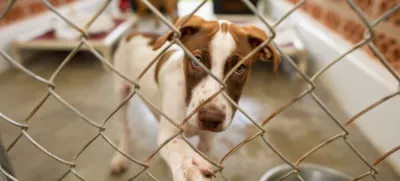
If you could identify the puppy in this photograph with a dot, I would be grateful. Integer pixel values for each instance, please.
(176, 85)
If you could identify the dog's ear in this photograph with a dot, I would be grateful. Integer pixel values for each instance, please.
(256, 36)
(192, 25)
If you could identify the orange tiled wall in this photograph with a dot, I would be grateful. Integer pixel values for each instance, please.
(23, 9)
(338, 16)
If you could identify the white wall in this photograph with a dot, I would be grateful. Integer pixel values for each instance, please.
(41, 23)
(356, 81)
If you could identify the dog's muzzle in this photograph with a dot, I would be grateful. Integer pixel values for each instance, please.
(211, 118)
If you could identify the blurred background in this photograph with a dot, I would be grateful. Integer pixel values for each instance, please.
(313, 36)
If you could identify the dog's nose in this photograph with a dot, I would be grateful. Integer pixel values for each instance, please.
(211, 117)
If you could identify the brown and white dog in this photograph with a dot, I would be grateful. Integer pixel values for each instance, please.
(177, 85)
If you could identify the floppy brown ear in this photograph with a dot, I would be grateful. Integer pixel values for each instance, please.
(255, 37)
(190, 27)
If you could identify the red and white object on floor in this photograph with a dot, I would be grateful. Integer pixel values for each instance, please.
(101, 39)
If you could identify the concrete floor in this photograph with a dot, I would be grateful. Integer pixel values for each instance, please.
(84, 85)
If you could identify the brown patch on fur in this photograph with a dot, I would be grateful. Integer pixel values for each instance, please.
(196, 35)
(235, 83)
(256, 36)
(152, 36)
(247, 38)
(198, 44)
(191, 27)
(164, 57)
(193, 74)
(224, 27)
(237, 80)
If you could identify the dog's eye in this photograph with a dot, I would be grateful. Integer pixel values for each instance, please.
(199, 58)
(240, 69)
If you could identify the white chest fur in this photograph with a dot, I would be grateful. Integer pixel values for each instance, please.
(134, 56)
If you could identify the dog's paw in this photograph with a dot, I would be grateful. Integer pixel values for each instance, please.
(195, 168)
(118, 164)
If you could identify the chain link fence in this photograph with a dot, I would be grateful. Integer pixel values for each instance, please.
(369, 34)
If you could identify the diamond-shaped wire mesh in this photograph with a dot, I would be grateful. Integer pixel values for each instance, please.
(369, 34)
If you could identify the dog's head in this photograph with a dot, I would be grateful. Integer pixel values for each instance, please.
(219, 45)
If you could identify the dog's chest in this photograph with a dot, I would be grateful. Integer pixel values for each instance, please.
(171, 81)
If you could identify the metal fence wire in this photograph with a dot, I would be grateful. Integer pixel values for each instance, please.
(219, 167)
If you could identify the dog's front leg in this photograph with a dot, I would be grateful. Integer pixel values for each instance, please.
(206, 142)
(184, 162)
(119, 163)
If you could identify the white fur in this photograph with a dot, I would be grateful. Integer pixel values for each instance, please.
(168, 95)
(131, 58)
(206, 88)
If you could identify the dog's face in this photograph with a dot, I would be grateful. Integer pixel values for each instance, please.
(219, 45)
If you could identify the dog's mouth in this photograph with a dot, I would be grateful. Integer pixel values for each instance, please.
(209, 126)
(215, 130)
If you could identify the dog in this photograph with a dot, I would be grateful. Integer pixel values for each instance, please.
(170, 6)
(177, 85)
